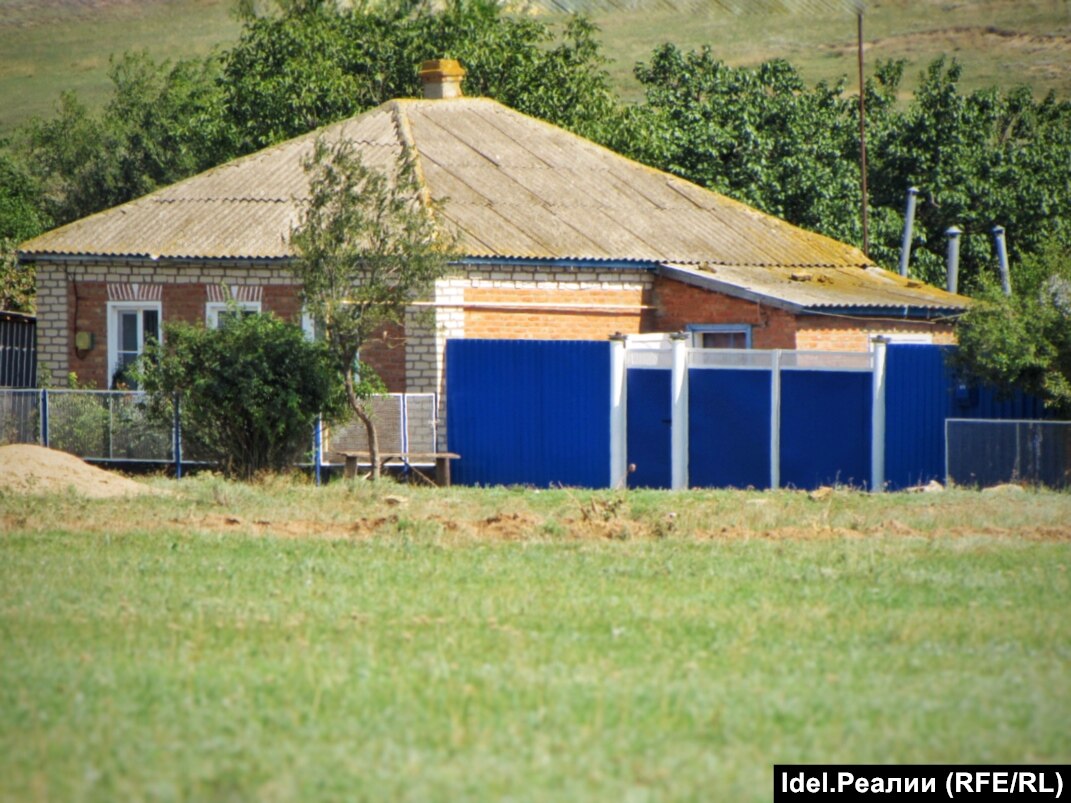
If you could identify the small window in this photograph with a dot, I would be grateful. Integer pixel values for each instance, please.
(218, 313)
(131, 326)
(721, 336)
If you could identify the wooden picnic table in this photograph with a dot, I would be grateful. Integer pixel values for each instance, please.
(441, 461)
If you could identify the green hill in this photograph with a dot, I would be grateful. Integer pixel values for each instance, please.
(48, 46)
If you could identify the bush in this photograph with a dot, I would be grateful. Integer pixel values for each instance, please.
(249, 392)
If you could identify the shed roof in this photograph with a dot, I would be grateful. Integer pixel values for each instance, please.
(823, 289)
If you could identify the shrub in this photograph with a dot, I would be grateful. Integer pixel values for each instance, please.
(249, 391)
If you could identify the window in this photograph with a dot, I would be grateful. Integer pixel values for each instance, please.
(131, 325)
(217, 312)
(721, 336)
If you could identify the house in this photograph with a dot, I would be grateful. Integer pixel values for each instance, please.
(562, 239)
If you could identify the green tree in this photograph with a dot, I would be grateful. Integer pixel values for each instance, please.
(20, 219)
(164, 122)
(314, 62)
(368, 244)
(980, 159)
(249, 391)
(1024, 340)
(759, 135)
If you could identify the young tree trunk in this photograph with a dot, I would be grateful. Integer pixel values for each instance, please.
(369, 425)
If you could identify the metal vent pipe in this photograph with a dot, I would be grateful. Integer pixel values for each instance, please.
(953, 258)
(1002, 259)
(909, 225)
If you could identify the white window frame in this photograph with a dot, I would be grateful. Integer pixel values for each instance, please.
(697, 330)
(214, 308)
(115, 309)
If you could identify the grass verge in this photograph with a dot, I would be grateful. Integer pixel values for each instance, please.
(172, 647)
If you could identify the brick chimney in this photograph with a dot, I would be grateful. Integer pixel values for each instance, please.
(442, 78)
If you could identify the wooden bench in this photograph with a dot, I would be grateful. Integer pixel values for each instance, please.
(441, 461)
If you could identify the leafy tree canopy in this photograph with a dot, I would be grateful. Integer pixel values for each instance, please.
(1024, 340)
(314, 63)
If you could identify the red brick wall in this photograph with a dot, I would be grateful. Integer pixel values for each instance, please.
(547, 323)
(284, 301)
(87, 305)
(679, 304)
(184, 302)
(87, 312)
(386, 354)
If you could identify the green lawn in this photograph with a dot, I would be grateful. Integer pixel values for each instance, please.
(207, 655)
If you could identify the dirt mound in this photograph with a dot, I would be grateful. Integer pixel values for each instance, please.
(25, 468)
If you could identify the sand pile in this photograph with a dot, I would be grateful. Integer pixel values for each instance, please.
(25, 468)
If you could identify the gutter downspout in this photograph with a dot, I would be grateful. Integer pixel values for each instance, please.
(909, 225)
(1002, 259)
(953, 258)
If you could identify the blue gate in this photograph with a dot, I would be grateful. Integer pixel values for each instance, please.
(825, 428)
(729, 428)
(649, 422)
(529, 412)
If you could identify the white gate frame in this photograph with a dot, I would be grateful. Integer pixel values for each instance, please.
(673, 351)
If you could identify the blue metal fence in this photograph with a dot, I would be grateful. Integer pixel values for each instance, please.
(921, 393)
(529, 412)
(536, 412)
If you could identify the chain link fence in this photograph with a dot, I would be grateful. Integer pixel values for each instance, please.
(114, 426)
(986, 452)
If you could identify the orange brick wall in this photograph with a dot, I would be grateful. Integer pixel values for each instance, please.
(546, 323)
(822, 333)
(681, 304)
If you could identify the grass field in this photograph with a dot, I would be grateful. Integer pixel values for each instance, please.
(47, 46)
(281, 642)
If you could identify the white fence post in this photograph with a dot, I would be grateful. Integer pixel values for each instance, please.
(618, 414)
(877, 425)
(775, 420)
(679, 426)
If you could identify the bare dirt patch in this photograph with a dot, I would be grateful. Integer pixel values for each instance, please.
(25, 468)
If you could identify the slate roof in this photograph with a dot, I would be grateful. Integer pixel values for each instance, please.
(512, 187)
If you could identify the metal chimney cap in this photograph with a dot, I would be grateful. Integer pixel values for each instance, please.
(913, 190)
(954, 231)
(998, 229)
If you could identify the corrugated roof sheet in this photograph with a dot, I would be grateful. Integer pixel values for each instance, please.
(512, 186)
(823, 288)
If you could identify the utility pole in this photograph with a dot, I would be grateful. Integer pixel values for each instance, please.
(862, 134)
